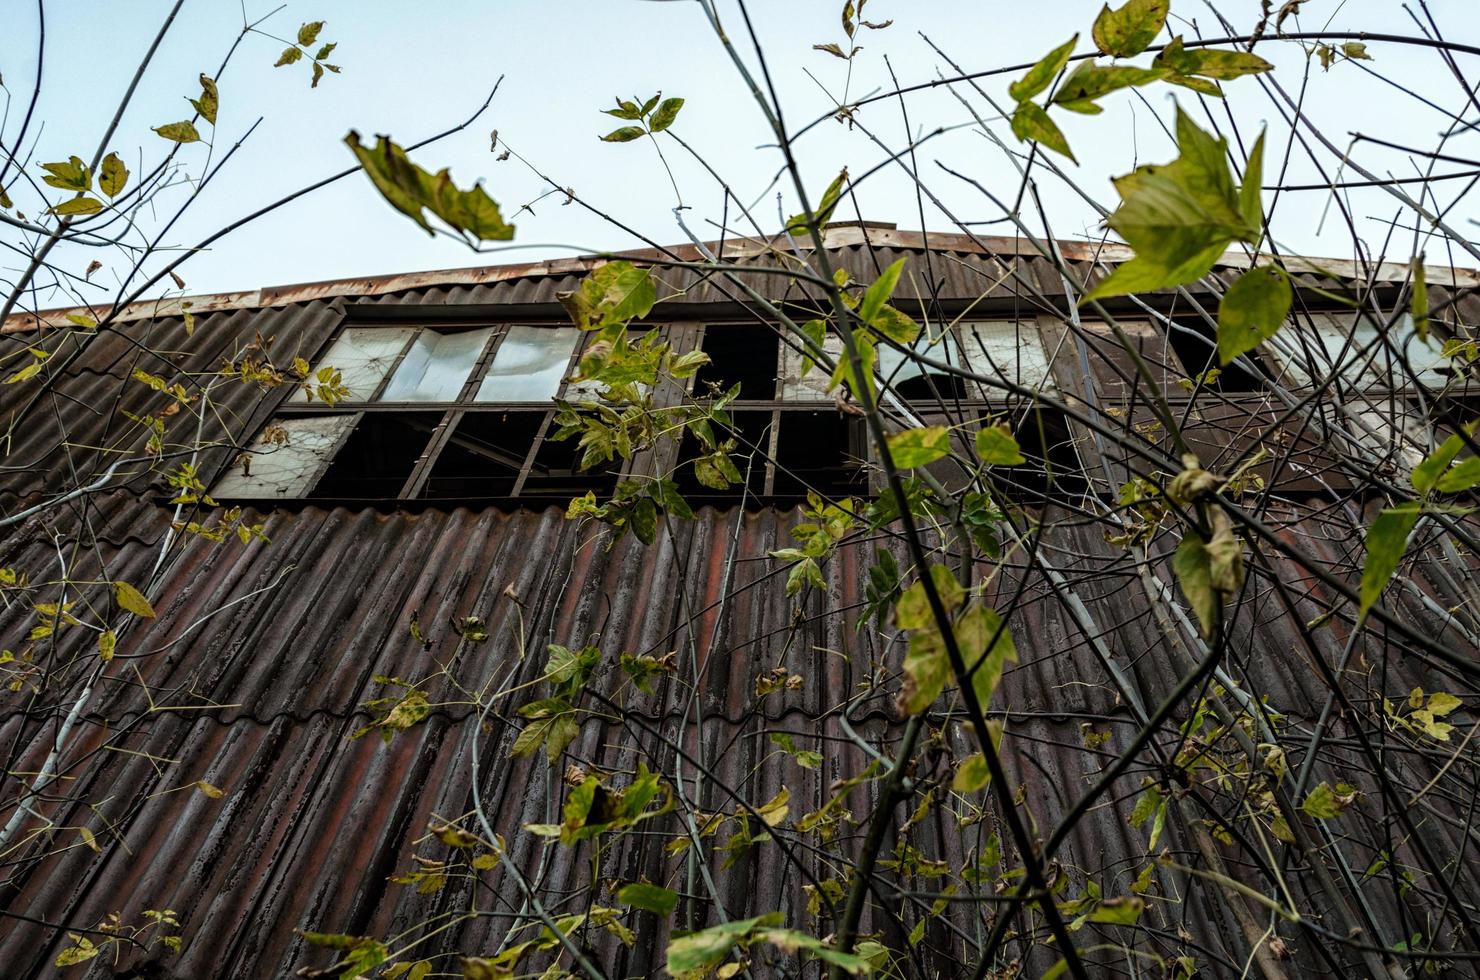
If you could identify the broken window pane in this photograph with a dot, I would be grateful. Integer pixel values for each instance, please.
(377, 459)
(285, 457)
(364, 356)
(1350, 347)
(1006, 348)
(912, 380)
(813, 387)
(437, 366)
(529, 365)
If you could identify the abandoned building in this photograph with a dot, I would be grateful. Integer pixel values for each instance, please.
(433, 493)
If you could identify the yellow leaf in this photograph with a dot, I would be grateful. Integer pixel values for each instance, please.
(132, 600)
(107, 643)
(89, 839)
(213, 792)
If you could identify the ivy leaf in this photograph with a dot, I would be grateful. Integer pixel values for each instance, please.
(1127, 31)
(114, 175)
(81, 204)
(72, 175)
(1193, 567)
(797, 223)
(649, 898)
(1040, 75)
(82, 951)
(1252, 311)
(132, 600)
(209, 101)
(918, 447)
(179, 132)
(667, 112)
(624, 135)
(1387, 539)
(1031, 122)
(997, 447)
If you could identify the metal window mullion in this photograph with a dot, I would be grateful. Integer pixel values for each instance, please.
(333, 452)
(422, 471)
(539, 440)
(385, 382)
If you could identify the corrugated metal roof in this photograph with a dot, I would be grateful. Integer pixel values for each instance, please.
(312, 824)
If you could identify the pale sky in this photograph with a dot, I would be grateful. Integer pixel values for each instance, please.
(412, 69)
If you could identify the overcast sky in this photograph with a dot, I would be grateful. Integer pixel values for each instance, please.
(412, 69)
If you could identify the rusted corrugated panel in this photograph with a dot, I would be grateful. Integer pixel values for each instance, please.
(313, 824)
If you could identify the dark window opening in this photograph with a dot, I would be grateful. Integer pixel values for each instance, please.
(932, 387)
(1196, 346)
(744, 355)
(554, 473)
(1053, 465)
(378, 457)
(483, 455)
(752, 433)
(821, 451)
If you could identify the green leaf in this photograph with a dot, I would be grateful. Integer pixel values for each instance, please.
(209, 101)
(797, 223)
(649, 898)
(1129, 30)
(309, 33)
(987, 647)
(1464, 476)
(78, 205)
(82, 951)
(1031, 122)
(624, 135)
(1250, 192)
(997, 447)
(705, 949)
(667, 112)
(132, 600)
(625, 110)
(1387, 539)
(179, 132)
(1040, 75)
(895, 325)
(1124, 911)
(1418, 304)
(1090, 81)
(70, 176)
(972, 775)
(325, 51)
(917, 447)
(913, 609)
(1320, 803)
(1178, 217)
(1193, 568)
(107, 643)
(926, 670)
(1426, 474)
(114, 175)
(616, 292)
(880, 292)
(411, 190)
(1253, 310)
(288, 57)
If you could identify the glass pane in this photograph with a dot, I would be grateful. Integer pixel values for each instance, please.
(363, 357)
(529, 365)
(437, 366)
(813, 387)
(284, 458)
(901, 372)
(1012, 350)
(1338, 344)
